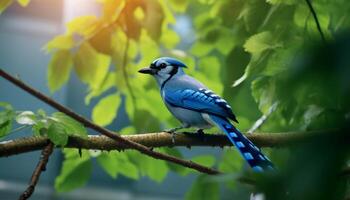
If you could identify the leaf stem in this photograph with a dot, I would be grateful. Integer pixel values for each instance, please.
(309, 4)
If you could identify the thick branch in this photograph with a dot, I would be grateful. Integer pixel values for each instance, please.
(152, 140)
(143, 149)
(44, 158)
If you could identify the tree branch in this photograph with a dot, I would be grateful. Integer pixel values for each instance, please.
(141, 148)
(153, 140)
(309, 4)
(44, 158)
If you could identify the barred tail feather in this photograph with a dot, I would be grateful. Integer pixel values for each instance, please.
(251, 153)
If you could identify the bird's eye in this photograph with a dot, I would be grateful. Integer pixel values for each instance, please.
(162, 65)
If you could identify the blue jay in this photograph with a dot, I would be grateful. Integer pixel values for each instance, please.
(194, 105)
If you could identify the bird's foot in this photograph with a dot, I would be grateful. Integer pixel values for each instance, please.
(173, 133)
(172, 130)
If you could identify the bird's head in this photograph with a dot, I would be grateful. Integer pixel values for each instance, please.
(164, 68)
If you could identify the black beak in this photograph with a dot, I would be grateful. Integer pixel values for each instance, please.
(148, 70)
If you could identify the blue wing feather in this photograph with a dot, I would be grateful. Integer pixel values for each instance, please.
(201, 100)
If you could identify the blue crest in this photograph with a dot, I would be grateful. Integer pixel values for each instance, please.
(170, 61)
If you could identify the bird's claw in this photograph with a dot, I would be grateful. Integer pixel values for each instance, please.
(172, 130)
(173, 133)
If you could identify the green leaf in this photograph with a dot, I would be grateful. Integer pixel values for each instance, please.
(106, 85)
(203, 189)
(57, 134)
(26, 118)
(255, 66)
(128, 130)
(301, 15)
(4, 4)
(59, 69)
(42, 123)
(101, 41)
(206, 160)
(280, 60)
(41, 113)
(287, 2)
(75, 171)
(5, 126)
(71, 126)
(155, 169)
(6, 117)
(231, 161)
(260, 42)
(225, 42)
(174, 167)
(201, 49)
(264, 92)
(40, 128)
(169, 38)
(106, 110)
(6, 106)
(115, 163)
(312, 112)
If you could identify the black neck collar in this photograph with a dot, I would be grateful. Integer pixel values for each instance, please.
(172, 73)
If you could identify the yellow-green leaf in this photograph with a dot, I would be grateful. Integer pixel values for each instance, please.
(153, 19)
(84, 25)
(4, 4)
(60, 42)
(75, 171)
(105, 85)
(91, 66)
(23, 2)
(106, 110)
(59, 69)
(179, 5)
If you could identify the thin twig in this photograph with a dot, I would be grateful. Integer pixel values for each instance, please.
(125, 74)
(154, 140)
(309, 4)
(18, 129)
(44, 158)
(141, 148)
(262, 119)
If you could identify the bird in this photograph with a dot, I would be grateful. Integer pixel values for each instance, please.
(194, 105)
